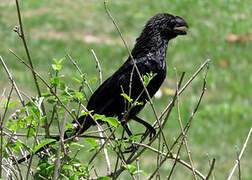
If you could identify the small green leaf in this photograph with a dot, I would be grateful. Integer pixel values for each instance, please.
(13, 103)
(131, 168)
(92, 142)
(99, 117)
(14, 127)
(127, 97)
(148, 77)
(44, 143)
(22, 145)
(55, 81)
(46, 94)
(79, 95)
(112, 121)
(103, 178)
(67, 167)
(56, 67)
(84, 75)
(76, 79)
(85, 113)
(133, 138)
(93, 80)
(77, 144)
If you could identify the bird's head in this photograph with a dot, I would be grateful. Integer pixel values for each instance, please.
(167, 26)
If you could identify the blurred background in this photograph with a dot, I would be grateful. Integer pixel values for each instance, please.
(219, 30)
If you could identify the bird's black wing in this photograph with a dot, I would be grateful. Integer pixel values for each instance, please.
(107, 98)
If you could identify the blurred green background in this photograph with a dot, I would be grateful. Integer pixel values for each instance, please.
(219, 30)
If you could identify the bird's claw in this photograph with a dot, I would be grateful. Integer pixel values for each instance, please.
(151, 131)
(130, 149)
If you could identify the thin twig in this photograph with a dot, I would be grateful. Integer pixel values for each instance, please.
(105, 153)
(170, 156)
(183, 132)
(14, 84)
(61, 145)
(1, 129)
(22, 36)
(211, 169)
(98, 66)
(77, 67)
(240, 155)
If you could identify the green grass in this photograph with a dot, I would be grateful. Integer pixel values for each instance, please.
(55, 28)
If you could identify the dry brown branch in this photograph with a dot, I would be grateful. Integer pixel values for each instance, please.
(22, 36)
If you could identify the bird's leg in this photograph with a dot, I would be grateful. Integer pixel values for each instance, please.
(147, 125)
(126, 128)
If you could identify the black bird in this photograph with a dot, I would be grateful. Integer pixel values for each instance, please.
(149, 54)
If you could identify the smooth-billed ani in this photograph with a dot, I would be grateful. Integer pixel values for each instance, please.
(149, 54)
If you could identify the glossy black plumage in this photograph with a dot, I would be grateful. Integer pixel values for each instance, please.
(149, 54)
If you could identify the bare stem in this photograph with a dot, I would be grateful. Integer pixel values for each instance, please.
(240, 155)
(211, 169)
(22, 36)
(1, 129)
(61, 146)
(98, 66)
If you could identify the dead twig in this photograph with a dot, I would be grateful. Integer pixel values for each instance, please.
(240, 155)
(22, 36)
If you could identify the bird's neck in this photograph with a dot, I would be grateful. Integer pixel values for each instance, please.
(154, 46)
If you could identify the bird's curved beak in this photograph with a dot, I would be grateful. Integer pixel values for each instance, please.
(181, 26)
(180, 30)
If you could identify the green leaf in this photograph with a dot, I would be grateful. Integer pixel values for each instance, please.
(22, 145)
(93, 80)
(79, 95)
(13, 103)
(92, 142)
(130, 167)
(133, 138)
(77, 144)
(84, 75)
(76, 79)
(14, 127)
(85, 113)
(99, 117)
(127, 97)
(148, 77)
(55, 81)
(103, 178)
(46, 94)
(112, 121)
(56, 67)
(44, 143)
(67, 167)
